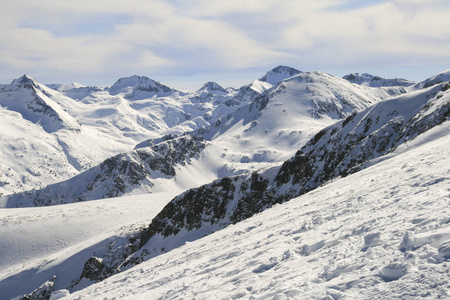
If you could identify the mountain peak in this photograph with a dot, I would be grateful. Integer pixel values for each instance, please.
(140, 87)
(376, 81)
(212, 88)
(24, 80)
(278, 74)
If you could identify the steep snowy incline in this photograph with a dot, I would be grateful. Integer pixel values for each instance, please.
(382, 233)
(31, 100)
(38, 243)
(439, 78)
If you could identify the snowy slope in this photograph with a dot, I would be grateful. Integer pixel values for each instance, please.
(382, 233)
(439, 78)
(38, 243)
(279, 121)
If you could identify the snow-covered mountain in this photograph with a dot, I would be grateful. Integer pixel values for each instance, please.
(227, 168)
(139, 87)
(248, 134)
(439, 78)
(212, 88)
(283, 118)
(377, 81)
(336, 151)
(31, 100)
(379, 233)
(278, 74)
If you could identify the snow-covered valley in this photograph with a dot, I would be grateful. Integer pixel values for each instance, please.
(300, 185)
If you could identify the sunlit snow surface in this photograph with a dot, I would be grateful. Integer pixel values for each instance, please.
(377, 234)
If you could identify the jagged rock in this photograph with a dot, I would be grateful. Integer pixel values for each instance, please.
(93, 268)
(43, 292)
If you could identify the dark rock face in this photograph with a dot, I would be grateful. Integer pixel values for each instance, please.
(43, 292)
(207, 203)
(119, 174)
(92, 267)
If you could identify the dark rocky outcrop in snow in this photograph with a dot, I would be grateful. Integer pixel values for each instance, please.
(43, 292)
(117, 175)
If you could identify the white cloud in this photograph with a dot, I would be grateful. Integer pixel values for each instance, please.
(164, 37)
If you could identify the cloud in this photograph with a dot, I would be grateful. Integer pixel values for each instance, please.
(189, 37)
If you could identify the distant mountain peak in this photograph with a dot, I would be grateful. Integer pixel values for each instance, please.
(140, 87)
(376, 81)
(278, 74)
(212, 88)
(24, 80)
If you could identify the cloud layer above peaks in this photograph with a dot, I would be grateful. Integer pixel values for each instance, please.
(83, 40)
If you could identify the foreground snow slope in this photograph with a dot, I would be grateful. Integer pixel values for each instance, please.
(37, 243)
(381, 233)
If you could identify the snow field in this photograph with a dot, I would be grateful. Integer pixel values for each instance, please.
(39, 242)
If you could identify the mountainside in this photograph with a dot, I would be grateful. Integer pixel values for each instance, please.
(336, 151)
(350, 179)
(378, 233)
(244, 126)
(382, 233)
(32, 101)
(279, 74)
(132, 172)
(282, 119)
(439, 78)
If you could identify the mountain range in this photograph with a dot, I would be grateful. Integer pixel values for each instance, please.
(212, 160)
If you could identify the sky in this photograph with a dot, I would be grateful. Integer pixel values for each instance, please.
(185, 43)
